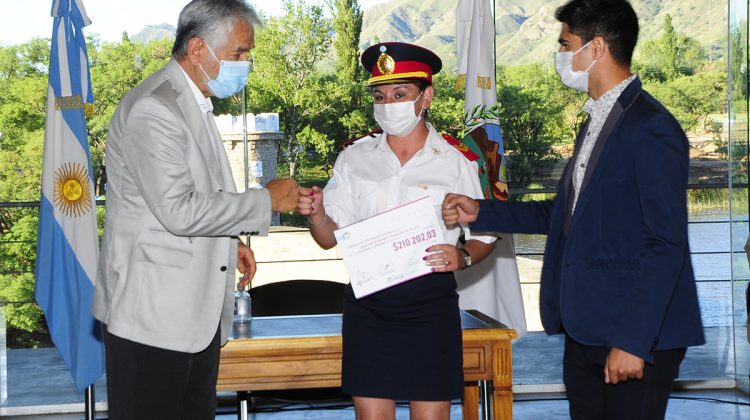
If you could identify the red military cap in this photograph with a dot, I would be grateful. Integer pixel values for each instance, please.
(398, 62)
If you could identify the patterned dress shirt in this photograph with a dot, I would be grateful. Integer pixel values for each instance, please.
(598, 111)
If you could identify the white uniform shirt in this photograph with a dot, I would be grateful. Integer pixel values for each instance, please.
(368, 179)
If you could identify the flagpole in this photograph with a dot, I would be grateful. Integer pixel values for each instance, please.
(90, 403)
(494, 44)
(245, 153)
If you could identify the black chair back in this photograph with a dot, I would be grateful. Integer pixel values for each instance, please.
(298, 297)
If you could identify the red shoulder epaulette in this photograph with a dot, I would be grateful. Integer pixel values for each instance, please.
(468, 153)
(364, 136)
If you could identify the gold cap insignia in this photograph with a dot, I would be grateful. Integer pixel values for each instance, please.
(386, 65)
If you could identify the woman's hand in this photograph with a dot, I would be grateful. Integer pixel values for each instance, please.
(310, 203)
(444, 257)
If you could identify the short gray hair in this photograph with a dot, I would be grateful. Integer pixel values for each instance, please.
(211, 20)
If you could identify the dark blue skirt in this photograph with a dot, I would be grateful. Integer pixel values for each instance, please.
(404, 343)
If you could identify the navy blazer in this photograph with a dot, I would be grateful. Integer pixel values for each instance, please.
(617, 273)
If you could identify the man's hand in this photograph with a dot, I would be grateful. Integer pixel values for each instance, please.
(246, 264)
(284, 194)
(622, 366)
(459, 209)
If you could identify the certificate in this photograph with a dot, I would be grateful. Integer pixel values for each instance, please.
(387, 249)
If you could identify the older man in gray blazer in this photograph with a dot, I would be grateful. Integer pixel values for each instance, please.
(170, 247)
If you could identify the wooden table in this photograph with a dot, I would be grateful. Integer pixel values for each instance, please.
(296, 352)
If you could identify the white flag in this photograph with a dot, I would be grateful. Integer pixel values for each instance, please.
(492, 286)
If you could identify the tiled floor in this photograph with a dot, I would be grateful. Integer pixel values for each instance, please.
(687, 405)
(38, 384)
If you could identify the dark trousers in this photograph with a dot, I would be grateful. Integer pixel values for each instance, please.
(591, 398)
(145, 382)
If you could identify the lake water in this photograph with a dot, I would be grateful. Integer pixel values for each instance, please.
(709, 235)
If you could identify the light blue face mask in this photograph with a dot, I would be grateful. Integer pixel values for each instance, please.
(231, 79)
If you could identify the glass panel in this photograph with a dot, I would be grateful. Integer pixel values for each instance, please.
(710, 245)
(737, 152)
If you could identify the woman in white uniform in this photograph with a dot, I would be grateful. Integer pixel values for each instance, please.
(404, 342)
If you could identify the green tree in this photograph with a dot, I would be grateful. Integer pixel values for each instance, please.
(737, 71)
(447, 109)
(347, 24)
(692, 99)
(349, 74)
(287, 78)
(23, 91)
(670, 55)
(669, 48)
(16, 273)
(532, 119)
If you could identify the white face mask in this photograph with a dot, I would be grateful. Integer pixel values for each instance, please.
(574, 79)
(397, 118)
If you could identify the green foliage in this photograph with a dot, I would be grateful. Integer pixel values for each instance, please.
(669, 49)
(17, 255)
(717, 198)
(532, 195)
(531, 117)
(447, 109)
(23, 91)
(347, 23)
(21, 169)
(692, 99)
(737, 67)
(735, 152)
(21, 313)
(19, 248)
(287, 78)
(669, 56)
(351, 98)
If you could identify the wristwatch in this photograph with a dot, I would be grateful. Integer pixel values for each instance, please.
(467, 258)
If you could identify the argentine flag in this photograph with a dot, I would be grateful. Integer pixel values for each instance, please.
(67, 247)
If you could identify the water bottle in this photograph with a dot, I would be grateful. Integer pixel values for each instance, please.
(242, 306)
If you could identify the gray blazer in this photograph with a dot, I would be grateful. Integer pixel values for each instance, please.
(168, 258)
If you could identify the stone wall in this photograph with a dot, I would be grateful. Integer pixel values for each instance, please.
(262, 159)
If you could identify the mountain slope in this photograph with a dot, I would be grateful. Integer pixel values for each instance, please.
(526, 30)
(154, 32)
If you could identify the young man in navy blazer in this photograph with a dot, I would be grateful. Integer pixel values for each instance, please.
(617, 278)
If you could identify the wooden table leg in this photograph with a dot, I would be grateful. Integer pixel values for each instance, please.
(502, 372)
(502, 404)
(470, 408)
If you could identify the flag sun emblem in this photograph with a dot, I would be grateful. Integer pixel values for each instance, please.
(72, 195)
